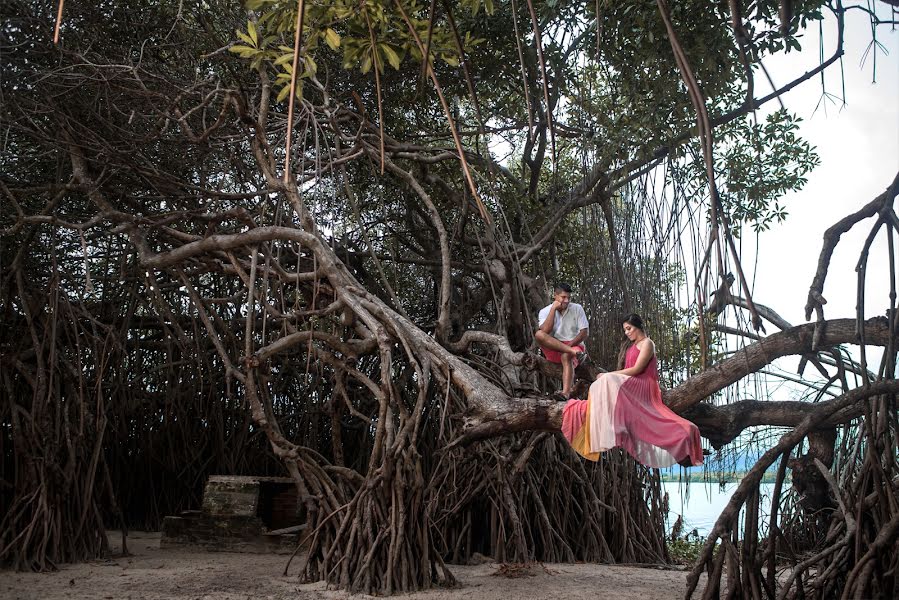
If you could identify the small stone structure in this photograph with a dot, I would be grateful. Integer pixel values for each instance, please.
(240, 514)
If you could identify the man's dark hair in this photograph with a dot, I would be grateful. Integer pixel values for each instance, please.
(562, 287)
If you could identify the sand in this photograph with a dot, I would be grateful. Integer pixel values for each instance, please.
(152, 573)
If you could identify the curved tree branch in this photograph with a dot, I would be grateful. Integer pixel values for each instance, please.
(832, 238)
(719, 425)
(797, 340)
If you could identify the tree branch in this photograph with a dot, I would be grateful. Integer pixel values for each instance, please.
(832, 238)
(718, 424)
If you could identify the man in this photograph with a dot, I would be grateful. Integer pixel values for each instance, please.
(563, 328)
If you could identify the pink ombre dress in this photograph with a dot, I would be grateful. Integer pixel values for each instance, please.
(627, 411)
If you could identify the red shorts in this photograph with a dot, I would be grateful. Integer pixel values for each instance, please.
(556, 357)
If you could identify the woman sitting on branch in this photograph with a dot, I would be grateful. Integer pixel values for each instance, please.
(624, 408)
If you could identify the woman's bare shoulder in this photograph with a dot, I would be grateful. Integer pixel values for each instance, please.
(646, 341)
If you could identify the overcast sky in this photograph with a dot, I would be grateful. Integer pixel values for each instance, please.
(858, 144)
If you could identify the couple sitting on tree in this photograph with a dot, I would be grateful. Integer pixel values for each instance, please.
(623, 408)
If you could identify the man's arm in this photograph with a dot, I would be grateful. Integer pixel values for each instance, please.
(547, 325)
(580, 337)
(583, 325)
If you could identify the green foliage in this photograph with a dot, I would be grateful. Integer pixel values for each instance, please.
(370, 34)
(685, 550)
(756, 164)
(638, 90)
(765, 32)
(762, 163)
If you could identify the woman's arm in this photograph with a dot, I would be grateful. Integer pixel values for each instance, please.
(647, 350)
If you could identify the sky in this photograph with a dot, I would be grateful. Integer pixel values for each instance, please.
(858, 144)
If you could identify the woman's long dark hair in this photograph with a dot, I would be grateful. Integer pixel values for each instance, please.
(634, 320)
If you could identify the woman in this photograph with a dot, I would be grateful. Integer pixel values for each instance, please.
(624, 408)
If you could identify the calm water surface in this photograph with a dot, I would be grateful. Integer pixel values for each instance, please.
(701, 504)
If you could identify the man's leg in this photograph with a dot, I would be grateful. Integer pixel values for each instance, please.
(567, 374)
(560, 352)
(548, 341)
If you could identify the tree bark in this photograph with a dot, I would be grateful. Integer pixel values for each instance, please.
(493, 416)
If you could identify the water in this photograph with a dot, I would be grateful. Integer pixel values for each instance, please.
(702, 506)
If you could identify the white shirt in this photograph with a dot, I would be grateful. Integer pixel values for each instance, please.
(568, 324)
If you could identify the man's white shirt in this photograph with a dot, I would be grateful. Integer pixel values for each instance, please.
(568, 324)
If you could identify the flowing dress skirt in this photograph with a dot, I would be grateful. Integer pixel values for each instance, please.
(628, 412)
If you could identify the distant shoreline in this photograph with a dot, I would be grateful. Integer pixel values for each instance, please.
(719, 477)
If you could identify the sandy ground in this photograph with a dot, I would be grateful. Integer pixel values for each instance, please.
(155, 574)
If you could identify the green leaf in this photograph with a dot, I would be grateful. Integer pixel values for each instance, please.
(285, 91)
(332, 38)
(285, 59)
(392, 57)
(311, 66)
(450, 60)
(343, 13)
(244, 51)
(246, 38)
(263, 19)
(251, 29)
